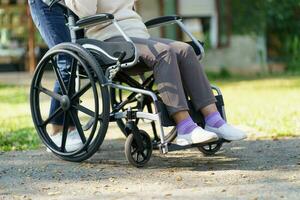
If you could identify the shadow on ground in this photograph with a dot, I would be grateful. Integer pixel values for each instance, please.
(242, 155)
(252, 163)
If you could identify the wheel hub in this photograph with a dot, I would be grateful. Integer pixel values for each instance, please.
(65, 102)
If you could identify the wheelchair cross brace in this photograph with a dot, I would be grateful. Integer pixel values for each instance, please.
(154, 117)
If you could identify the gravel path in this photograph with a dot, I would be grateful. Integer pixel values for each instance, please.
(252, 169)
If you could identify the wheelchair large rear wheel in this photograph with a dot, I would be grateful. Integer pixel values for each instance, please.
(72, 104)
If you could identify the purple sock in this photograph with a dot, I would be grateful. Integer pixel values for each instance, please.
(214, 120)
(186, 126)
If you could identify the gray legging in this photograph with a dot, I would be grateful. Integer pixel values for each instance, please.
(175, 66)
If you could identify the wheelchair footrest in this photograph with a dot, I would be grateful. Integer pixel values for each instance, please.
(176, 147)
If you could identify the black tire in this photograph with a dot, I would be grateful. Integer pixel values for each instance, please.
(133, 155)
(211, 149)
(96, 78)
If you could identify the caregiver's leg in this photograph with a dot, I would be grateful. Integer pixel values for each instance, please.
(51, 25)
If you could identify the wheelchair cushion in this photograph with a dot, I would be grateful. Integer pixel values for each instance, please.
(107, 53)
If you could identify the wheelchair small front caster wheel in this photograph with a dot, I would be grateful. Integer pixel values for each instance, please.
(210, 149)
(136, 156)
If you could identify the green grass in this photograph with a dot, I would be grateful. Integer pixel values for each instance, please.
(269, 106)
(16, 127)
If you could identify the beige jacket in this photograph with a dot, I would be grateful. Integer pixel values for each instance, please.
(128, 19)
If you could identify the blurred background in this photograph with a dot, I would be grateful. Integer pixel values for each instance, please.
(253, 54)
(268, 31)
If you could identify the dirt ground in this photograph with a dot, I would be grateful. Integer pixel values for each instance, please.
(251, 169)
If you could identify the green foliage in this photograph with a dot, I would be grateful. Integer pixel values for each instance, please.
(256, 16)
(278, 20)
(248, 16)
(292, 46)
(283, 16)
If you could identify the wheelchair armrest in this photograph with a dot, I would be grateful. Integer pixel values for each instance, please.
(175, 19)
(95, 19)
(196, 47)
(162, 20)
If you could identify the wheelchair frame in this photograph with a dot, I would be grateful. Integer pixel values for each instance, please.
(112, 71)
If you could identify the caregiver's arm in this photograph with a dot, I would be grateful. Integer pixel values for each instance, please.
(82, 8)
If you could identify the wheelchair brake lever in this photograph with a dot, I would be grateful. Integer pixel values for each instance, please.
(112, 71)
(121, 58)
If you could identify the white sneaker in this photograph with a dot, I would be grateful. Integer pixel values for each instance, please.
(198, 135)
(73, 141)
(228, 132)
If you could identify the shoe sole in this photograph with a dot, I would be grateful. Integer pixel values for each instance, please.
(205, 142)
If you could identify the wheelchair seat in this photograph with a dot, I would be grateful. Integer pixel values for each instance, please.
(107, 53)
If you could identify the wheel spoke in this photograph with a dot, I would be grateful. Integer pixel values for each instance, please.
(77, 123)
(134, 152)
(50, 93)
(84, 110)
(72, 77)
(81, 91)
(58, 76)
(143, 155)
(65, 132)
(88, 112)
(56, 113)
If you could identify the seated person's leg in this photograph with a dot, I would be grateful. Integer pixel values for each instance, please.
(198, 88)
(163, 61)
(52, 27)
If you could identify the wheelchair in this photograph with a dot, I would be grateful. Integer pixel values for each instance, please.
(107, 83)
